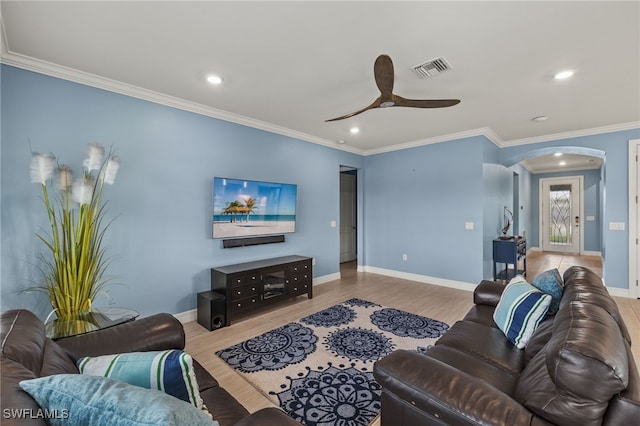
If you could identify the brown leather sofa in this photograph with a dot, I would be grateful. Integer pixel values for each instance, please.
(576, 370)
(28, 354)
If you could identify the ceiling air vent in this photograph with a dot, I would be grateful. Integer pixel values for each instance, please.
(432, 68)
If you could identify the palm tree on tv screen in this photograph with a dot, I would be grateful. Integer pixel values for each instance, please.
(250, 206)
(233, 208)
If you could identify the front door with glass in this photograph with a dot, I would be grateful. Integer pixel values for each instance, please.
(560, 214)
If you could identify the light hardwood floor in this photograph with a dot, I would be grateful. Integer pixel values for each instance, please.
(445, 304)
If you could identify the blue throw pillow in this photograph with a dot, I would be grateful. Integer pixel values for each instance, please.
(520, 310)
(550, 282)
(78, 399)
(170, 371)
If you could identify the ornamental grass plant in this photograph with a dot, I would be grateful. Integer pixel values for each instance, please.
(73, 268)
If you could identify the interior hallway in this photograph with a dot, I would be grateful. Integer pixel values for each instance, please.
(540, 261)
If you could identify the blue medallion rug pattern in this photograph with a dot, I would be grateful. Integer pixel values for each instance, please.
(319, 369)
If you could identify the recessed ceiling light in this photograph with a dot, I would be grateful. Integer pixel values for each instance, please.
(214, 79)
(341, 141)
(557, 154)
(540, 118)
(563, 74)
(562, 163)
(354, 130)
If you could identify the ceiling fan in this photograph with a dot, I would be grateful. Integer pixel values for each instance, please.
(383, 72)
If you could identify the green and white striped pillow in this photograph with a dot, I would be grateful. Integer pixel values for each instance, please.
(169, 371)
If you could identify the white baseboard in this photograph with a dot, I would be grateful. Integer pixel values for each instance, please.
(187, 316)
(326, 278)
(619, 292)
(192, 315)
(459, 285)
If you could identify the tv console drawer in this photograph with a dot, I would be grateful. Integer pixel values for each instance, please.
(246, 303)
(300, 288)
(240, 292)
(239, 280)
(251, 285)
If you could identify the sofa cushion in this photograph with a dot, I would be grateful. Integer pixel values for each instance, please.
(584, 364)
(485, 342)
(520, 310)
(222, 406)
(550, 282)
(497, 377)
(624, 408)
(539, 339)
(482, 314)
(23, 338)
(78, 399)
(170, 371)
(56, 361)
(594, 292)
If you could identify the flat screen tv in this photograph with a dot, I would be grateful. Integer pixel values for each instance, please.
(246, 208)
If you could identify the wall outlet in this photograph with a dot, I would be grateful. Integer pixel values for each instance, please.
(313, 261)
(468, 225)
(333, 224)
(591, 218)
(404, 257)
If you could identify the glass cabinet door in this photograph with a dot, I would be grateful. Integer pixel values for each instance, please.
(273, 283)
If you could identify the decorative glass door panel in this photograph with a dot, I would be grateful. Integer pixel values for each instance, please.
(560, 218)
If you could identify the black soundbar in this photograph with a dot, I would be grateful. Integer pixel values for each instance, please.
(252, 241)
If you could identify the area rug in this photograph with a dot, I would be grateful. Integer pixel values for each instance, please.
(319, 369)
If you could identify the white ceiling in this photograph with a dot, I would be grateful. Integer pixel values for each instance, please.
(288, 66)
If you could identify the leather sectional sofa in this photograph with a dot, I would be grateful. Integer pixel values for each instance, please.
(577, 369)
(28, 354)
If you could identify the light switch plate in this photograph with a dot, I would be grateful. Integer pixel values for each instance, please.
(468, 225)
(616, 226)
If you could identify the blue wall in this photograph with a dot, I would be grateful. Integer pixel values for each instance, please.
(161, 200)
(417, 201)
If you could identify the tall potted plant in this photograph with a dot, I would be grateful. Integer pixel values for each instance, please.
(74, 272)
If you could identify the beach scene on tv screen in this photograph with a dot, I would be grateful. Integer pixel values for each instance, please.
(244, 208)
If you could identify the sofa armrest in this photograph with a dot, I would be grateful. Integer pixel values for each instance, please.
(445, 393)
(488, 293)
(153, 333)
(268, 417)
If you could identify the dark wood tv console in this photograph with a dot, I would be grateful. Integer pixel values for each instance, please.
(249, 286)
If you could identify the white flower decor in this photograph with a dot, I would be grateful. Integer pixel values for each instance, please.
(74, 273)
(42, 167)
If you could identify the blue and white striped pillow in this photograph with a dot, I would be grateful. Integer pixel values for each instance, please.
(169, 371)
(520, 310)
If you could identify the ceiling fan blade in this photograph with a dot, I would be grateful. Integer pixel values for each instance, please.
(383, 71)
(424, 103)
(375, 104)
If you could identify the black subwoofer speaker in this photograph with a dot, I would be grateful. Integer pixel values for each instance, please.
(212, 310)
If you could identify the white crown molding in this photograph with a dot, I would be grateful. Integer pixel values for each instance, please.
(65, 73)
(87, 79)
(484, 131)
(573, 134)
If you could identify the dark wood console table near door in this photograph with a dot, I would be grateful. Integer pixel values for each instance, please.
(509, 252)
(249, 286)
